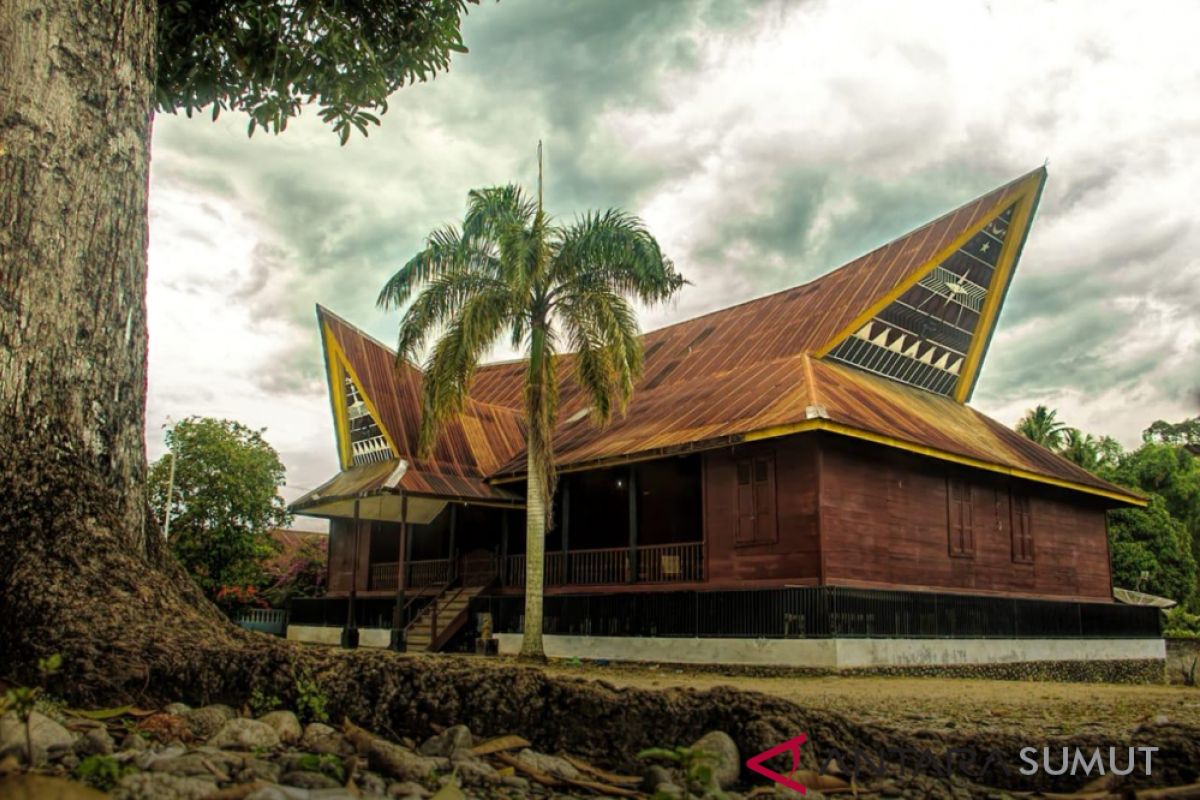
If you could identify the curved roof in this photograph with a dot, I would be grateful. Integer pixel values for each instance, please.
(886, 348)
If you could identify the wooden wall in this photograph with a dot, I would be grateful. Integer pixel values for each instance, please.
(884, 518)
(795, 554)
(341, 554)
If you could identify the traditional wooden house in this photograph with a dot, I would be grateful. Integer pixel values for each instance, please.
(798, 480)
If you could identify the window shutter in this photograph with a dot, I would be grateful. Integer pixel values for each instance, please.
(745, 501)
(1022, 529)
(765, 527)
(960, 524)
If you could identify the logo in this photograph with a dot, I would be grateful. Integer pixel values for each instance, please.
(792, 746)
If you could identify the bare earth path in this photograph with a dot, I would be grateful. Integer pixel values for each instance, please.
(961, 705)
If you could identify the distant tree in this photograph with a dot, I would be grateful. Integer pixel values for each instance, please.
(1096, 455)
(225, 501)
(1150, 542)
(305, 574)
(513, 274)
(1186, 432)
(1041, 425)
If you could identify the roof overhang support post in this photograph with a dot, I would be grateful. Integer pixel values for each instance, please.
(566, 529)
(350, 632)
(397, 642)
(504, 548)
(632, 573)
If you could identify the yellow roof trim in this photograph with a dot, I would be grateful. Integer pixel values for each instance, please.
(337, 360)
(1019, 224)
(900, 444)
(1023, 194)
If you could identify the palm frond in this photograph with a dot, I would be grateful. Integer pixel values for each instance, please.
(603, 332)
(478, 323)
(615, 247)
(445, 250)
(440, 304)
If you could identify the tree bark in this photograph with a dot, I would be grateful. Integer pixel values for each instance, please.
(535, 560)
(83, 569)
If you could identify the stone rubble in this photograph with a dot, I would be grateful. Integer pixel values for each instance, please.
(184, 753)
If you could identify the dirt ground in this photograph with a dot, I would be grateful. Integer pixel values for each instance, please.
(951, 704)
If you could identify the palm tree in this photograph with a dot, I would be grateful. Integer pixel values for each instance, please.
(511, 273)
(1042, 426)
(1081, 448)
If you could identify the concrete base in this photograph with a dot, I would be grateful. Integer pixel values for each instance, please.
(319, 634)
(840, 653)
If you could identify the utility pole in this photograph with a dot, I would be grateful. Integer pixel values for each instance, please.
(170, 494)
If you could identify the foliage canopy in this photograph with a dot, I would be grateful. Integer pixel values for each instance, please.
(270, 58)
(226, 500)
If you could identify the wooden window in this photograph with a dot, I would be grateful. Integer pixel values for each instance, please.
(757, 522)
(1022, 529)
(960, 518)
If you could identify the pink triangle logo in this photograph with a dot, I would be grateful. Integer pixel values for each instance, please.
(790, 746)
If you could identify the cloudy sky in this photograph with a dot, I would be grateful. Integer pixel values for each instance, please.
(763, 144)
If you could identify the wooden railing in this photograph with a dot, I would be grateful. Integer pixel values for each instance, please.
(607, 565)
(430, 573)
(671, 563)
(479, 570)
(420, 574)
(662, 563)
(383, 576)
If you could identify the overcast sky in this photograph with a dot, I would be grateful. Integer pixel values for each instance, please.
(763, 144)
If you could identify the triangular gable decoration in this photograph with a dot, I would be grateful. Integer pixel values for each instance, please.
(933, 331)
(361, 438)
(368, 445)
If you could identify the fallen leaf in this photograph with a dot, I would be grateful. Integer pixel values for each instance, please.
(521, 766)
(105, 713)
(499, 744)
(450, 791)
(607, 777)
(602, 789)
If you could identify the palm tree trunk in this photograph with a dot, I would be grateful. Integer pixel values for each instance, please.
(535, 559)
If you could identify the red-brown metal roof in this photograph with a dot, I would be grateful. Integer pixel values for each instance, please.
(750, 369)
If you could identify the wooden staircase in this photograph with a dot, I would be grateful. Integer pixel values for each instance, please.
(429, 632)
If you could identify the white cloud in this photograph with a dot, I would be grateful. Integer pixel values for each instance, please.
(764, 155)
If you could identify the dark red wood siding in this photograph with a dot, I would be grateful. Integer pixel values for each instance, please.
(775, 511)
(891, 519)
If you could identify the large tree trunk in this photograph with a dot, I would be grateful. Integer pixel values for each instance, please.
(83, 571)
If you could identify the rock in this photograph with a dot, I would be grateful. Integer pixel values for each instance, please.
(516, 782)
(187, 764)
(179, 709)
(401, 763)
(552, 765)
(309, 780)
(654, 775)
(371, 783)
(244, 734)
(669, 790)
(285, 724)
(46, 737)
(476, 773)
(206, 721)
(257, 769)
(69, 762)
(407, 790)
(145, 759)
(161, 786)
(280, 793)
(134, 742)
(448, 742)
(319, 738)
(95, 742)
(727, 765)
